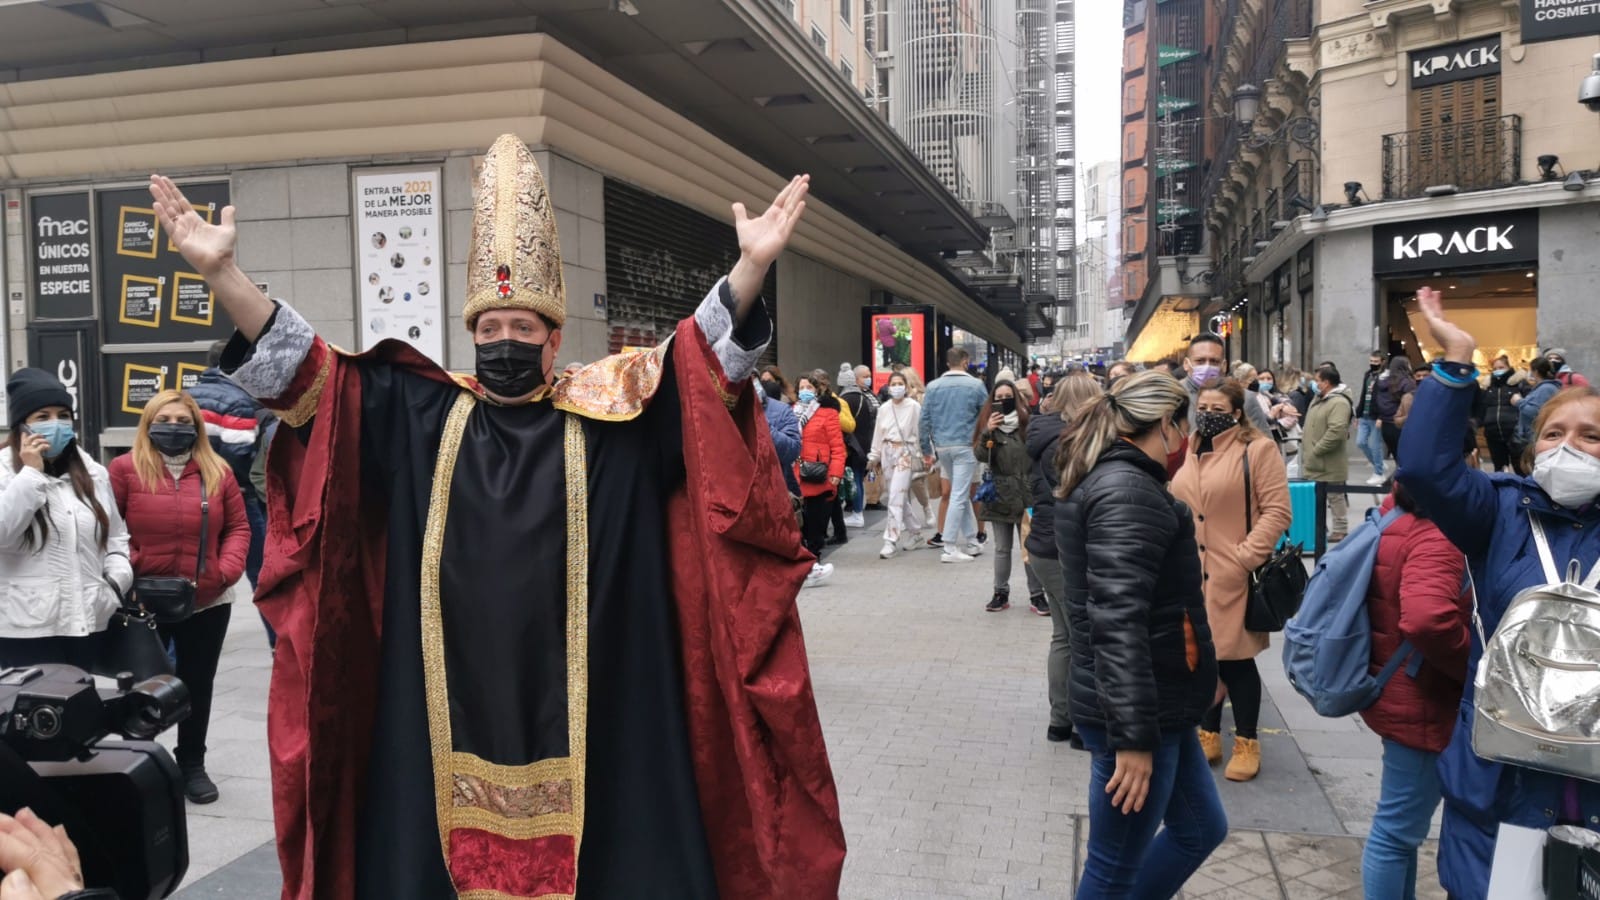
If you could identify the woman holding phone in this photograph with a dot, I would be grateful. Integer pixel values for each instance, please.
(1001, 441)
(62, 542)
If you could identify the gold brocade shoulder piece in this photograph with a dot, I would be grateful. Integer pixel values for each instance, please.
(519, 802)
(616, 388)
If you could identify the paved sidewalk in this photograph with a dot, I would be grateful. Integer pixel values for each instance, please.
(934, 713)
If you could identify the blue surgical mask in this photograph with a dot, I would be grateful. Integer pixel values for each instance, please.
(57, 431)
(807, 395)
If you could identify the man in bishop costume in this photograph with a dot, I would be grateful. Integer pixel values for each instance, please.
(537, 638)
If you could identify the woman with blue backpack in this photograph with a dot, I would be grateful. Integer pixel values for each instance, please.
(1417, 608)
(1514, 530)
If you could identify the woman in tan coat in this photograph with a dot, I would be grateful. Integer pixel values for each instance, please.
(1212, 483)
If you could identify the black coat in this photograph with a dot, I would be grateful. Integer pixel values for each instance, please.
(1044, 433)
(1494, 409)
(1132, 585)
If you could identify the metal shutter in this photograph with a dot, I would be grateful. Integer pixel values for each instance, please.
(661, 258)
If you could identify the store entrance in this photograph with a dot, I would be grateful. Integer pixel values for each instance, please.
(1500, 308)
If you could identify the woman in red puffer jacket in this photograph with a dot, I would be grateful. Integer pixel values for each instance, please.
(821, 441)
(1415, 595)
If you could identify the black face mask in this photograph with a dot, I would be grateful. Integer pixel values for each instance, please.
(773, 389)
(1005, 406)
(510, 368)
(173, 438)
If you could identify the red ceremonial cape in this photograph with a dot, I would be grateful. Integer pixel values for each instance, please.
(767, 795)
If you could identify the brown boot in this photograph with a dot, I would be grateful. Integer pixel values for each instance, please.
(1246, 761)
(1211, 743)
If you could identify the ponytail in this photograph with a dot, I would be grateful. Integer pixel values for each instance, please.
(1133, 406)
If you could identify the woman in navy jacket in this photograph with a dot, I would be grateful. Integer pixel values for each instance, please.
(1487, 516)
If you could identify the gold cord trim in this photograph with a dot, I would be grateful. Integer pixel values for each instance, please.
(516, 829)
(306, 407)
(577, 475)
(436, 686)
(505, 210)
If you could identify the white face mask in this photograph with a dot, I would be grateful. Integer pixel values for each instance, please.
(1571, 477)
(897, 391)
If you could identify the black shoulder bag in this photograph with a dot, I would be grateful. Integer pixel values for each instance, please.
(171, 598)
(1278, 585)
(131, 644)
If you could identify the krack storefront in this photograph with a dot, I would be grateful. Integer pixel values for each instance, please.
(1487, 266)
(1516, 267)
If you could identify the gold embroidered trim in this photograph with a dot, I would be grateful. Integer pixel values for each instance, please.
(728, 400)
(448, 764)
(577, 473)
(614, 389)
(532, 773)
(515, 829)
(503, 895)
(505, 209)
(436, 688)
(306, 407)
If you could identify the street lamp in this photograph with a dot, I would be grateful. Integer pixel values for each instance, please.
(1304, 131)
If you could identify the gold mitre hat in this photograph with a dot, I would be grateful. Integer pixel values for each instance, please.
(515, 261)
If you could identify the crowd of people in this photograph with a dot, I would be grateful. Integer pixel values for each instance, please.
(1143, 500)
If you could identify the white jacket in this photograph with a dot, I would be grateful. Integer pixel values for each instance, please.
(58, 590)
(899, 422)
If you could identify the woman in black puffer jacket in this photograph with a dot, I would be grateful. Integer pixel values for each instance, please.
(1144, 670)
(1069, 395)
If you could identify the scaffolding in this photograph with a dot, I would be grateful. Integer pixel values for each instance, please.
(1066, 162)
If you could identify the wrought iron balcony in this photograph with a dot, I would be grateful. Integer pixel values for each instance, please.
(1469, 156)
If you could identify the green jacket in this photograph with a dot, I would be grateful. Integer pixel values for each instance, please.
(1007, 456)
(1325, 440)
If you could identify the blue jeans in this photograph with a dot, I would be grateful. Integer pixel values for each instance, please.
(958, 465)
(1369, 437)
(1409, 795)
(1127, 858)
(858, 505)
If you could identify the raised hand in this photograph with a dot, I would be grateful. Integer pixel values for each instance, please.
(762, 239)
(32, 450)
(206, 246)
(1458, 345)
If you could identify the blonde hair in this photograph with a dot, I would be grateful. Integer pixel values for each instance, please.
(1072, 393)
(914, 386)
(147, 461)
(1136, 404)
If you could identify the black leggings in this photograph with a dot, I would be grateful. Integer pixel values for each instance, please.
(1499, 448)
(816, 511)
(197, 645)
(1244, 689)
(1391, 439)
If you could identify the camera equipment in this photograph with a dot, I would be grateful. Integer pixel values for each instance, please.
(120, 801)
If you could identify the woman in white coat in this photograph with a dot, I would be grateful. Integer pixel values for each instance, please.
(62, 542)
(895, 453)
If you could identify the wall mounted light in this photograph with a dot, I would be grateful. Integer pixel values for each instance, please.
(1575, 182)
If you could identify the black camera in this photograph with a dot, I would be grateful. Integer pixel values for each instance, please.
(121, 802)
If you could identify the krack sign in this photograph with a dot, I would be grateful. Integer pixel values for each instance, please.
(1455, 62)
(1491, 239)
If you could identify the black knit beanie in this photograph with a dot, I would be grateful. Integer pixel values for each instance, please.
(30, 390)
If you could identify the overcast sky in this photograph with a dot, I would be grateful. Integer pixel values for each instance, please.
(1098, 85)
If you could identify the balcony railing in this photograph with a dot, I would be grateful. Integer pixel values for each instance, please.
(1471, 156)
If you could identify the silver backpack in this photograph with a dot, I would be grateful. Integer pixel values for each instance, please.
(1537, 687)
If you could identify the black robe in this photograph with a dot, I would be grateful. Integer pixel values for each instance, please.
(503, 597)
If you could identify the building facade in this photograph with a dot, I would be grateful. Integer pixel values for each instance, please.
(1452, 152)
(1164, 142)
(350, 155)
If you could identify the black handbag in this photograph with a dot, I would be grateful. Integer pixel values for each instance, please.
(813, 471)
(131, 644)
(171, 598)
(1276, 586)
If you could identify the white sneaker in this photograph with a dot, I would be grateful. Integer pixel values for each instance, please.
(1378, 480)
(887, 551)
(855, 520)
(973, 549)
(820, 573)
(952, 555)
